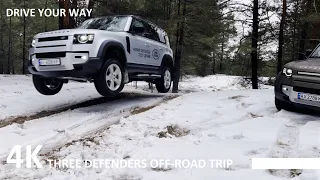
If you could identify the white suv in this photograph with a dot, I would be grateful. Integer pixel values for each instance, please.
(109, 51)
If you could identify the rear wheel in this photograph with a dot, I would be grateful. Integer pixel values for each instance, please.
(110, 80)
(163, 84)
(47, 86)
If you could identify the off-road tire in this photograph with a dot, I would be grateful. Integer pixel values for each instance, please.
(41, 84)
(102, 84)
(160, 82)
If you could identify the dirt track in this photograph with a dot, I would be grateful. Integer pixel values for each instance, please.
(91, 102)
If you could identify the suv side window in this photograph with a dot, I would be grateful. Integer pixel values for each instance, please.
(135, 23)
(152, 33)
(149, 31)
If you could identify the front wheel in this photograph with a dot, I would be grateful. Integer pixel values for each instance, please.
(47, 86)
(110, 80)
(163, 84)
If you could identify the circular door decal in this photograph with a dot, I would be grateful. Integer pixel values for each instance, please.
(155, 54)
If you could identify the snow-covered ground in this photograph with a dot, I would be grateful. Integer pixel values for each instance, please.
(219, 119)
(210, 83)
(18, 96)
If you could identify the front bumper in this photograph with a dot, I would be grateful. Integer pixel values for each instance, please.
(287, 89)
(85, 70)
(67, 60)
(76, 60)
(280, 81)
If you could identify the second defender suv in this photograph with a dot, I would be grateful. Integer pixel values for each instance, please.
(298, 85)
(109, 51)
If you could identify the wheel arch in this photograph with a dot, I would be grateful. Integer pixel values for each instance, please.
(167, 60)
(112, 49)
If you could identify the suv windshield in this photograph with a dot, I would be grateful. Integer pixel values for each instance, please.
(115, 23)
(316, 53)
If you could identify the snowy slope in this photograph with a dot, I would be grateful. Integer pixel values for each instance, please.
(216, 121)
(210, 83)
(19, 97)
(83, 111)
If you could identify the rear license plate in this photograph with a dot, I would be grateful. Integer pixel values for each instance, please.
(309, 97)
(49, 62)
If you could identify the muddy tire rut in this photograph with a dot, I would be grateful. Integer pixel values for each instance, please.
(88, 103)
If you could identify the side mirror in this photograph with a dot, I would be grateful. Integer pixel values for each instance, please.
(308, 52)
(137, 30)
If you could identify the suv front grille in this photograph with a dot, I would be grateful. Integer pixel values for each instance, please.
(56, 38)
(51, 55)
(306, 90)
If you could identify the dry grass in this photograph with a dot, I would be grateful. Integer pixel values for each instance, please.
(139, 110)
(238, 98)
(82, 140)
(281, 144)
(126, 176)
(161, 169)
(255, 115)
(292, 173)
(295, 172)
(173, 130)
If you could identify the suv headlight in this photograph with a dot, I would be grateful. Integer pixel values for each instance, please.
(33, 43)
(287, 72)
(83, 38)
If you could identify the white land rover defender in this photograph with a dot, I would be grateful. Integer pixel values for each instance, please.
(109, 51)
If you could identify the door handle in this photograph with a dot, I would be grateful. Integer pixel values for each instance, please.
(147, 45)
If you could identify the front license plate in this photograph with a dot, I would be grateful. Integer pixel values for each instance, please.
(49, 62)
(309, 97)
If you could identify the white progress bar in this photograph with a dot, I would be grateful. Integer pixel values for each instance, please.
(285, 163)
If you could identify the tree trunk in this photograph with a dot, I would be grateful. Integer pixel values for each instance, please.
(213, 64)
(178, 27)
(1, 43)
(45, 18)
(178, 56)
(24, 46)
(72, 20)
(90, 6)
(294, 34)
(12, 59)
(24, 42)
(67, 22)
(254, 53)
(222, 53)
(282, 24)
(9, 48)
(303, 35)
(175, 86)
(61, 18)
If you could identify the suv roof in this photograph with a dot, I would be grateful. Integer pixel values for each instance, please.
(135, 16)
